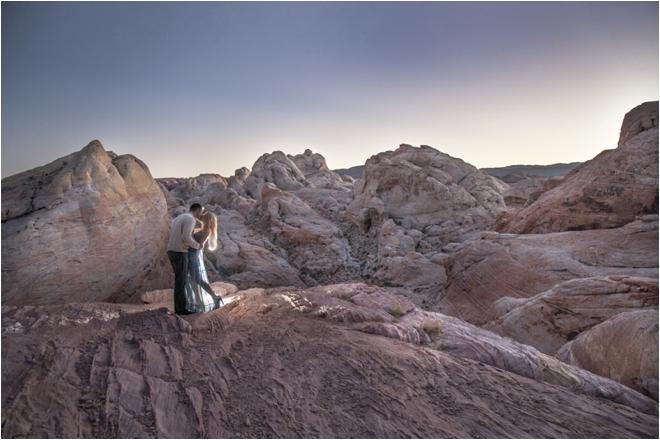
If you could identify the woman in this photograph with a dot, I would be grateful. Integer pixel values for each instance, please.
(200, 298)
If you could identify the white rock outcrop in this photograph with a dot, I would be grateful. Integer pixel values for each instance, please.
(91, 226)
(422, 187)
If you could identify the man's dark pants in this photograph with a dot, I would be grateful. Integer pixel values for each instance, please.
(179, 262)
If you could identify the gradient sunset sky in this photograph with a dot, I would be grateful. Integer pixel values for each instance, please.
(208, 87)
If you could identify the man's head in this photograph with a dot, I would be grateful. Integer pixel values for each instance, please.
(197, 210)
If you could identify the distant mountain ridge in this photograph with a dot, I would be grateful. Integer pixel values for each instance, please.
(558, 169)
(354, 172)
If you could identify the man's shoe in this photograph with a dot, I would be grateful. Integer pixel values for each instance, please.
(185, 312)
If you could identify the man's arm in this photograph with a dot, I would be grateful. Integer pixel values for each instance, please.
(187, 231)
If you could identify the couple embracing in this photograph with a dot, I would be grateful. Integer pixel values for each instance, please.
(192, 292)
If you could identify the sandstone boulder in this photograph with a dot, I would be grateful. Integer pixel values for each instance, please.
(413, 271)
(276, 168)
(422, 187)
(551, 183)
(404, 259)
(188, 188)
(623, 348)
(91, 226)
(549, 320)
(524, 192)
(158, 296)
(247, 258)
(307, 176)
(228, 198)
(642, 118)
(606, 192)
(491, 266)
(237, 181)
(314, 244)
(173, 204)
(316, 171)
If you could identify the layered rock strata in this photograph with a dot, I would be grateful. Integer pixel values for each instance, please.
(623, 348)
(608, 191)
(420, 188)
(314, 244)
(334, 361)
(491, 266)
(91, 226)
(550, 319)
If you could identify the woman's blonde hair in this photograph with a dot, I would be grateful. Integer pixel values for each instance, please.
(211, 223)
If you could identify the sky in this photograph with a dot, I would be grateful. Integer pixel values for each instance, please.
(209, 87)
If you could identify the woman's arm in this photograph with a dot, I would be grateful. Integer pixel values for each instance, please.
(203, 237)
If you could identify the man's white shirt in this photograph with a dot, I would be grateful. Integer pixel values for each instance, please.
(181, 233)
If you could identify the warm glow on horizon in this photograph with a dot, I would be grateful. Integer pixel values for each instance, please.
(192, 88)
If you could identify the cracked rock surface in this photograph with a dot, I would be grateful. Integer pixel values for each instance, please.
(347, 360)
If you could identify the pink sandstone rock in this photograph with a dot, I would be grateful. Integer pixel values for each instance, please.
(270, 364)
(421, 187)
(91, 226)
(606, 192)
(491, 266)
(641, 118)
(313, 243)
(623, 348)
(188, 188)
(550, 319)
(275, 168)
(524, 192)
(246, 258)
(316, 171)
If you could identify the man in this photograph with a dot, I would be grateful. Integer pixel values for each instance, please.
(181, 238)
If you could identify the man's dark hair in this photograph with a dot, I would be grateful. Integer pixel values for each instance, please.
(195, 207)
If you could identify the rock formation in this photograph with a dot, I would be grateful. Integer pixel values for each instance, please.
(188, 188)
(606, 192)
(550, 319)
(392, 253)
(412, 204)
(343, 299)
(524, 192)
(67, 222)
(316, 171)
(623, 348)
(327, 362)
(276, 168)
(420, 188)
(638, 120)
(491, 266)
(247, 258)
(305, 175)
(314, 244)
